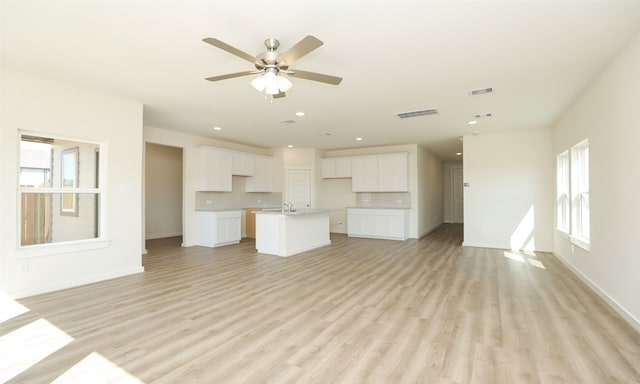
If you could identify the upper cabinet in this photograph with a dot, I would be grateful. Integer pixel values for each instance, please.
(242, 164)
(365, 173)
(380, 173)
(336, 167)
(262, 180)
(393, 172)
(214, 169)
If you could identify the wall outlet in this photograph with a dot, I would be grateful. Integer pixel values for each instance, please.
(208, 202)
(23, 266)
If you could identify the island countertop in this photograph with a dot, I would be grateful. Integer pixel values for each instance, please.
(296, 212)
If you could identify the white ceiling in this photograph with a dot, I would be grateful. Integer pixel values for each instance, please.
(394, 57)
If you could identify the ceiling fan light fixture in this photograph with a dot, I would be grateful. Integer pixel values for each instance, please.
(284, 84)
(259, 83)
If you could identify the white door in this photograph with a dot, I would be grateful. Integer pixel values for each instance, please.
(299, 188)
(457, 198)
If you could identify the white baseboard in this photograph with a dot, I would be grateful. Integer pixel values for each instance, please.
(629, 318)
(74, 283)
(485, 245)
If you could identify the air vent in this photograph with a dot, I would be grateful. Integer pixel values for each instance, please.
(422, 112)
(482, 115)
(480, 91)
(288, 122)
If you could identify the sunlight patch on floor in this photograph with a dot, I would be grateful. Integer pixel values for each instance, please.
(27, 345)
(96, 369)
(9, 308)
(525, 257)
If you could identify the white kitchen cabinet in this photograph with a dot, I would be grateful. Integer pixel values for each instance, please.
(380, 173)
(336, 167)
(378, 223)
(262, 180)
(214, 173)
(393, 172)
(360, 221)
(364, 173)
(218, 228)
(242, 164)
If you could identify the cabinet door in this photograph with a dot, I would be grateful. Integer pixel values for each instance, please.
(214, 170)
(364, 174)
(360, 222)
(396, 224)
(262, 180)
(393, 172)
(228, 230)
(328, 168)
(343, 167)
(242, 164)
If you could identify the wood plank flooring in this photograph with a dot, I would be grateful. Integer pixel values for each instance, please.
(358, 311)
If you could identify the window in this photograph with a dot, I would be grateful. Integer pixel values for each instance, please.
(59, 190)
(580, 224)
(562, 193)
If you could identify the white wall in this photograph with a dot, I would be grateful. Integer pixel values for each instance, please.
(608, 114)
(430, 180)
(38, 105)
(509, 203)
(163, 191)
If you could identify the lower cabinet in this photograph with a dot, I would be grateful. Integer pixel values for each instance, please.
(378, 223)
(218, 228)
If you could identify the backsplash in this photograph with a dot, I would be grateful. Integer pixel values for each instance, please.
(238, 198)
(383, 199)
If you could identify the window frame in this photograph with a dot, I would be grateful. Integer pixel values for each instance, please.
(580, 188)
(44, 249)
(563, 194)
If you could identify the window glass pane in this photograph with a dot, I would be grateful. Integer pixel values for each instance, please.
(52, 215)
(43, 222)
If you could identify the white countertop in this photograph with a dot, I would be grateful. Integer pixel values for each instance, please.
(381, 207)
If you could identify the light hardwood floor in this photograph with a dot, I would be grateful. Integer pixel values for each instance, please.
(358, 311)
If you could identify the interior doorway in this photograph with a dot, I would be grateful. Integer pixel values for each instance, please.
(163, 191)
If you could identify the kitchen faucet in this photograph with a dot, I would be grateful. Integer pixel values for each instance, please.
(289, 207)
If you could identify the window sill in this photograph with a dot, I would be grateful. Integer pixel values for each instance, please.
(563, 234)
(580, 242)
(58, 248)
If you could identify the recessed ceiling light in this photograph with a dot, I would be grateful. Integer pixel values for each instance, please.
(471, 122)
(359, 139)
(217, 129)
(458, 153)
(289, 146)
(300, 113)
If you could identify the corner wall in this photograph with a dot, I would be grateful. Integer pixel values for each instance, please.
(608, 114)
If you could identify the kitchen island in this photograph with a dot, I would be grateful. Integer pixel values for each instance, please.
(284, 233)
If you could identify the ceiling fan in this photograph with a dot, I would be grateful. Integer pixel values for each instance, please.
(273, 67)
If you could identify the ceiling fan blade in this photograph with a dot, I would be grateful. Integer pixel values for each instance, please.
(315, 76)
(279, 95)
(232, 75)
(303, 47)
(232, 50)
